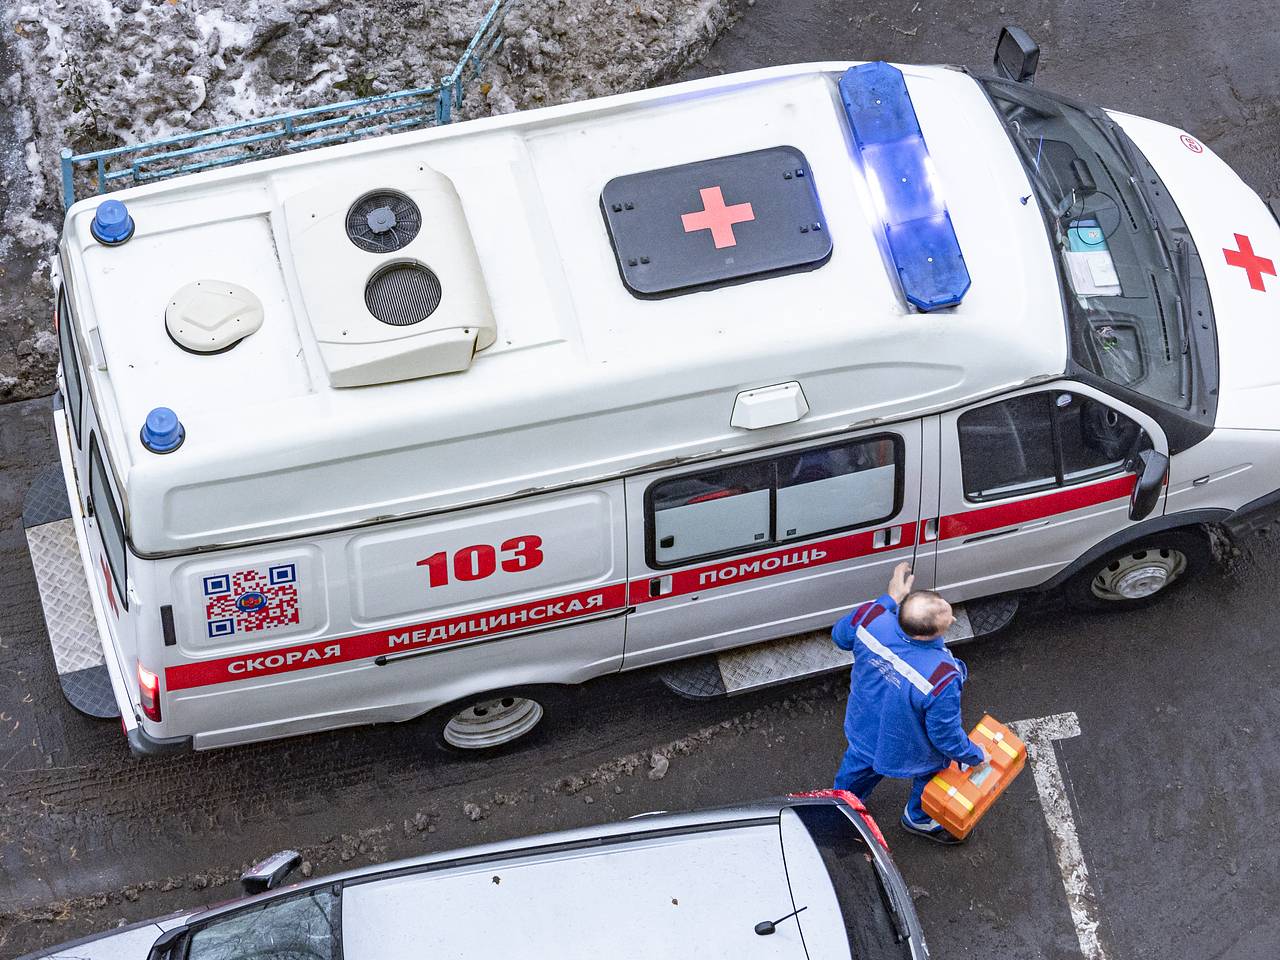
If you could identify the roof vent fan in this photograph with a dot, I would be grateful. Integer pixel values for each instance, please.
(383, 222)
(402, 294)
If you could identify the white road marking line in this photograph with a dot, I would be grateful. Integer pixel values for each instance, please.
(1039, 734)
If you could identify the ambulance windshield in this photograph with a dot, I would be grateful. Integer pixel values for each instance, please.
(1123, 268)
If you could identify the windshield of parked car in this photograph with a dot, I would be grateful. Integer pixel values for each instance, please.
(874, 919)
(1118, 263)
(300, 927)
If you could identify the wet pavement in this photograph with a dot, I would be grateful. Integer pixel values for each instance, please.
(1169, 785)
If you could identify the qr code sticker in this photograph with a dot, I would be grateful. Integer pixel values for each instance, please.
(250, 600)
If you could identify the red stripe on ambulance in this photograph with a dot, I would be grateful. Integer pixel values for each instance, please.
(1036, 508)
(615, 596)
(861, 544)
(399, 639)
(770, 564)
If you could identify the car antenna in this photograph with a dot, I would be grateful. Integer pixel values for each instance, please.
(766, 927)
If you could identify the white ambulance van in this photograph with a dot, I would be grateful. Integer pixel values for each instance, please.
(440, 424)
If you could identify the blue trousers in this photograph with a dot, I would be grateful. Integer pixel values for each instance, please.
(858, 777)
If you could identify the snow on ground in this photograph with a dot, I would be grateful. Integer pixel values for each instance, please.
(27, 361)
(104, 73)
(576, 49)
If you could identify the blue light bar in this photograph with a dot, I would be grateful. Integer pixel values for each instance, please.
(904, 186)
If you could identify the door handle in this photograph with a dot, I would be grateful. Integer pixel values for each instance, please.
(929, 530)
(888, 537)
(660, 586)
(991, 536)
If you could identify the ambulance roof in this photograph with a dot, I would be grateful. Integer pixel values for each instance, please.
(584, 379)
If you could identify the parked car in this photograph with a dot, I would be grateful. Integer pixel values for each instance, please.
(802, 876)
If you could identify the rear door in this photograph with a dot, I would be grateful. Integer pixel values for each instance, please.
(1029, 483)
(100, 501)
(767, 545)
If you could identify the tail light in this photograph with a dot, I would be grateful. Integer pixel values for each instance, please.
(850, 800)
(149, 690)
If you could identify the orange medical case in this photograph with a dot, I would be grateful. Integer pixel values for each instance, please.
(958, 800)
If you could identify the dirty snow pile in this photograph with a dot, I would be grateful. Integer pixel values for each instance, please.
(104, 73)
(28, 348)
(575, 49)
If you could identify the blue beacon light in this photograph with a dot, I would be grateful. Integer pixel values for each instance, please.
(900, 174)
(162, 432)
(111, 224)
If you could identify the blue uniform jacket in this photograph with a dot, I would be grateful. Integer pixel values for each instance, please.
(903, 716)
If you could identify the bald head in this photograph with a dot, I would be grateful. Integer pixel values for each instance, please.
(924, 615)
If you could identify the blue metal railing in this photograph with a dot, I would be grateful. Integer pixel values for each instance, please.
(288, 133)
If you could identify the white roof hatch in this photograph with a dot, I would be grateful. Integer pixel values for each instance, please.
(209, 316)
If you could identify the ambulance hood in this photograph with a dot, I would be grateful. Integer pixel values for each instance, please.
(1230, 225)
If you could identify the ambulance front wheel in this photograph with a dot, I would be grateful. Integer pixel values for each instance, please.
(1139, 572)
(491, 721)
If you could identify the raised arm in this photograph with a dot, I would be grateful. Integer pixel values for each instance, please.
(901, 581)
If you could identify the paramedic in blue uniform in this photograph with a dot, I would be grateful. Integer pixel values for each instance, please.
(903, 717)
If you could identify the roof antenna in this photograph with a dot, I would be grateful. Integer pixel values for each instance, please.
(766, 927)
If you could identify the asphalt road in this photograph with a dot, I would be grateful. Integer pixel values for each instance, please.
(1169, 785)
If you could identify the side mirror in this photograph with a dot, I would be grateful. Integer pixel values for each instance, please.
(164, 947)
(1017, 55)
(269, 874)
(1152, 468)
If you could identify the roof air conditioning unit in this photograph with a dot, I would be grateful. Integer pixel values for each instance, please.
(390, 278)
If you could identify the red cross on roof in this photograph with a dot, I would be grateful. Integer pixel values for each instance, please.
(717, 218)
(1253, 265)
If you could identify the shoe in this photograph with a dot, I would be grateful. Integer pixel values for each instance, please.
(930, 829)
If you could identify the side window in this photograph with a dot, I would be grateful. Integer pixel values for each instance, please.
(1006, 448)
(1095, 439)
(790, 497)
(1040, 441)
(107, 515)
(70, 365)
(305, 927)
(821, 490)
(709, 513)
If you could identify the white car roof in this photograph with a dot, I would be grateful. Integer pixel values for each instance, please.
(584, 380)
(692, 895)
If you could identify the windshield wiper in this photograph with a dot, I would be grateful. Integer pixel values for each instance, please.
(1180, 263)
(900, 931)
(1184, 354)
(1120, 140)
(1182, 274)
(1133, 161)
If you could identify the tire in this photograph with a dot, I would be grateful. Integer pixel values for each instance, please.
(493, 722)
(1141, 572)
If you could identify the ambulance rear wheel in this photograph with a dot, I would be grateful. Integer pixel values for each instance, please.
(1140, 572)
(492, 721)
